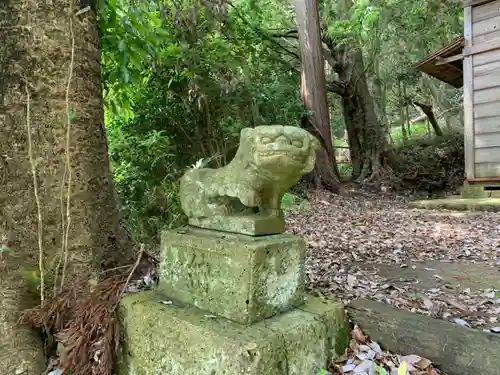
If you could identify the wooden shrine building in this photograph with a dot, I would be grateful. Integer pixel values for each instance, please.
(473, 61)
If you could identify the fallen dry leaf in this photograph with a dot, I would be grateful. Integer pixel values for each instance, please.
(358, 335)
(373, 246)
(366, 357)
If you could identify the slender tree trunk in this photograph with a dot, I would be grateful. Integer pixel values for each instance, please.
(403, 119)
(407, 112)
(432, 118)
(407, 109)
(440, 101)
(313, 90)
(50, 92)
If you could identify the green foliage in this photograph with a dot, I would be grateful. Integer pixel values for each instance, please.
(433, 164)
(416, 131)
(182, 78)
(291, 203)
(181, 81)
(345, 170)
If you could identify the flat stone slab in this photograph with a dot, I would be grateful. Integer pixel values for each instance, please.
(461, 204)
(456, 275)
(239, 277)
(167, 339)
(454, 349)
(252, 225)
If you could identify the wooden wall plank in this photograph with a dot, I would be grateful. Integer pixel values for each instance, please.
(485, 170)
(485, 27)
(479, 48)
(486, 58)
(486, 125)
(487, 155)
(486, 110)
(485, 11)
(487, 140)
(468, 98)
(492, 79)
(485, 69)
(486, 38)
(473, 3)
(487, 95)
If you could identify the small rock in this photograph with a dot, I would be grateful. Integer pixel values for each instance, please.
(461, 322)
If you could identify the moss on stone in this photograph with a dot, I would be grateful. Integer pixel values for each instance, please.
(169, 339)
(253, 225)
(332, 313)
(269, 160)
(242, 278)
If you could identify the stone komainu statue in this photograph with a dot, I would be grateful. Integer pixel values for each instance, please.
(269, 160)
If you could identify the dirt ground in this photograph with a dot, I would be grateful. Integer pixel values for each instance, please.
(434, 262)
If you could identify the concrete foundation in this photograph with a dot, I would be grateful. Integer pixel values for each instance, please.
(481, 190)
(239, 277)
(167, 339)
(474, 197)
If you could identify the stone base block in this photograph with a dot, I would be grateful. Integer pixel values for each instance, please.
(166, 339)
(253, 225)
(242, 278)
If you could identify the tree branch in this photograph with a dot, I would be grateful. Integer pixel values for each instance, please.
(337, 88)
(329, 58)
(286, 34)
(263, 34)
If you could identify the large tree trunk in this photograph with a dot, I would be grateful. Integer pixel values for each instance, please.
(367, 137)
(50, 92)
(368, 143)
(313, 90)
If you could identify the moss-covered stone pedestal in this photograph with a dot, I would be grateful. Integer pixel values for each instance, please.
(166, 339)
(239, 277)
(230, 304)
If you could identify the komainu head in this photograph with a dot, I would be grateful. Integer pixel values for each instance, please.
(280, 150)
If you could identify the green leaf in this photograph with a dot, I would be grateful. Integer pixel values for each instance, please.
(403, 368)
(380, 370)
(121, 45)
(72, 115)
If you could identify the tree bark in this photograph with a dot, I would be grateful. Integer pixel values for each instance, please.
(367, 140)
(49, 77)
(314, 94)
(402, 101)
(432, 118)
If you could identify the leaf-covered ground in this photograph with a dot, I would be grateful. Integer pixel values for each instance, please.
(438, 263)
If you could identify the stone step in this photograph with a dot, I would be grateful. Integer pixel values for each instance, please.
(167, 339)
(456, 350)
